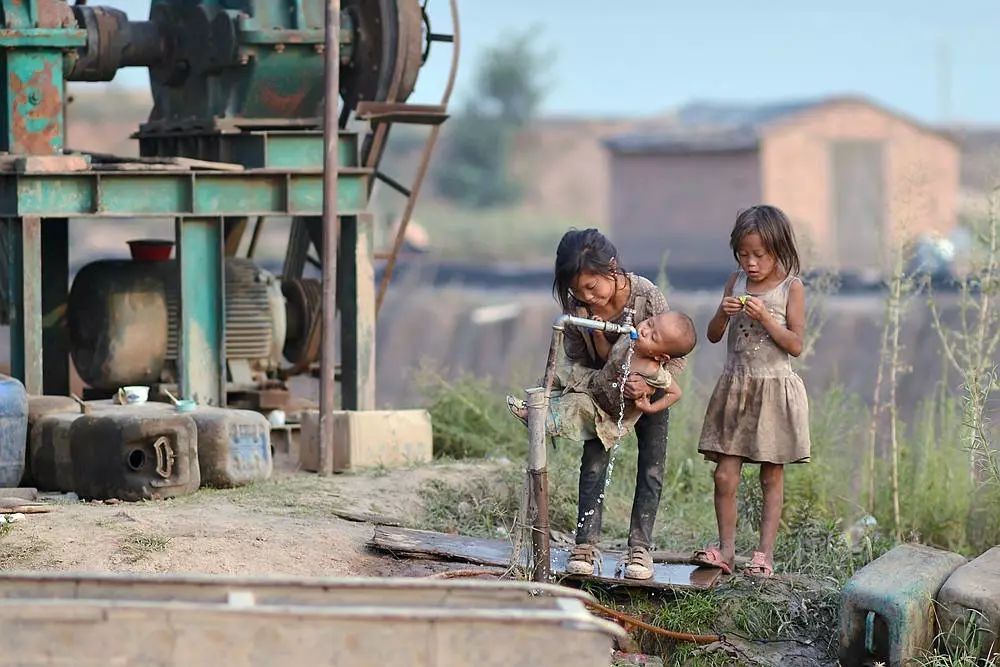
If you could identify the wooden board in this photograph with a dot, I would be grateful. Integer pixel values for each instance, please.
(481, 551)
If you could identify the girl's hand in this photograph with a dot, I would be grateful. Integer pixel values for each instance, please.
(731, 305)
(635, 387)
(756, 309)
(643, 405)
(597, 332)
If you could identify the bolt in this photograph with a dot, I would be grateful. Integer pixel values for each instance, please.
(279, 48)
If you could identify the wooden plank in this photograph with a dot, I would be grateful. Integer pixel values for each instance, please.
(481, 551)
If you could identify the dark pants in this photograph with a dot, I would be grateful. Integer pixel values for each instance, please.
(651, 431)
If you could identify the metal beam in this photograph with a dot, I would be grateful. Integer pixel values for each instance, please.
(55, 286)
(357, 313)
(201, 354)
(331, 232)
(26, 302)
(177, 194)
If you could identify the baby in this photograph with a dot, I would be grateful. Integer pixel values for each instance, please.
(588, 403)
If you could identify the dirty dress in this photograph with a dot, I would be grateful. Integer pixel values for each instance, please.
(759, 409)
(577, 412)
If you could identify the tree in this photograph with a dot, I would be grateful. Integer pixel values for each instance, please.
(506, 96)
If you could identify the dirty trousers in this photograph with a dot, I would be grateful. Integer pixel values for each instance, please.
(651, 432)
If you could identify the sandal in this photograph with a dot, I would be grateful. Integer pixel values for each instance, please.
(584, 559)
(514, 405)
(758, 567)
(638, 563)
(711, 557)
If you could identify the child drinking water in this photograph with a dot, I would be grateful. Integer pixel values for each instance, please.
(588, 404)
(758, 412)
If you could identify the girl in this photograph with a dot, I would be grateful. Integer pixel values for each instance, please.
(758, 412)
(589, 282)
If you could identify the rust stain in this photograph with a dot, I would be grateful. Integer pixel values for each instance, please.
(37, 99)
(283, 106)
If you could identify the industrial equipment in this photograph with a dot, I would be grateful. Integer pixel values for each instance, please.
(235, 136)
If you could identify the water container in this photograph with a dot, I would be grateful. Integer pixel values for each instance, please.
(887, 608)
(969, 605)
(49, 452)
(234, 446)
(13, 430)
(38, 407)
(134, 455)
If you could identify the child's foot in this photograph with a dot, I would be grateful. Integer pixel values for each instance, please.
(518, 408)
(712, 557)
(639, 563)
(584, 559)
(759, 567)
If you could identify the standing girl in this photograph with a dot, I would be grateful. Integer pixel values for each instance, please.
(758, 412)
(589, 282)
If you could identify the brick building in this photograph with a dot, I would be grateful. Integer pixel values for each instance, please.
(848, 172)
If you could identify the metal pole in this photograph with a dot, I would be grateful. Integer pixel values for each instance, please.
(538, 485)
(331, 126)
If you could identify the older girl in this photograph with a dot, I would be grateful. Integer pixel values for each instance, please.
(590, 282)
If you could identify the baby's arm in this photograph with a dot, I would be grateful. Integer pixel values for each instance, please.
(671, 395)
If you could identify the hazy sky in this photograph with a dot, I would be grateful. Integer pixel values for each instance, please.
(929, 58)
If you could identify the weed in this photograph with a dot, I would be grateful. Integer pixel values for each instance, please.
(482, 506)
(136, 546)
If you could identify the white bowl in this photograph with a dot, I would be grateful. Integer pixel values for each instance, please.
(135, 395)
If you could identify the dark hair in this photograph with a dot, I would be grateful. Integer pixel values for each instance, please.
(578, 251)
(775, 233)
(685, 332)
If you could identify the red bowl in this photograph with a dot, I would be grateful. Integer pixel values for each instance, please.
(151, 250)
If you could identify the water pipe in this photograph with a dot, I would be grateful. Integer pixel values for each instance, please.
(538, 408)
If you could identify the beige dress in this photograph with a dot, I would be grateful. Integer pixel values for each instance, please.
(759, 409)
(578, 412)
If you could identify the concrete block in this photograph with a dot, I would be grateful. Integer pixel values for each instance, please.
(369, 438)
(887, 608)
(969, 605)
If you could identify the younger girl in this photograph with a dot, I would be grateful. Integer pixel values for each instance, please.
(758, 412)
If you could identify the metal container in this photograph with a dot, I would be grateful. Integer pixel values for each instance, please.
(887, 608)
(132, 454)
(193, 621)
(13, 430)
(49, 453)
(39, 407)
(969, 605)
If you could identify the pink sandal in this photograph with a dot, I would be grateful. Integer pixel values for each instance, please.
(758, 567)
(711, 557)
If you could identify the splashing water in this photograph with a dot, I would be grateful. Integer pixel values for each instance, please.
(626, 370)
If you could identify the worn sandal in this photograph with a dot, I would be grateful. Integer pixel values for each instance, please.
(514, 405)
(711, 557)
(758, 567)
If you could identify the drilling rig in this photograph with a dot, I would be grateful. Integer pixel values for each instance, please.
(235, 137)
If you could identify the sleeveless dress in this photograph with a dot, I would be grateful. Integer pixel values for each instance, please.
(759, 409)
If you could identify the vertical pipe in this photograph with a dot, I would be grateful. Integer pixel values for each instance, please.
(538, 485)
(328, 359)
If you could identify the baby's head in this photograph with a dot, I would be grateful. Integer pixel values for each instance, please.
(669, 335)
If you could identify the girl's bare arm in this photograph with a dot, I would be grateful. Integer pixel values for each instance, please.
(727, 308)
(788, 337)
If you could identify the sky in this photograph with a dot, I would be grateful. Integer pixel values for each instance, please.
(926, 58)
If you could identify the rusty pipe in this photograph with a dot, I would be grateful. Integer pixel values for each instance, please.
(538, 485)
(331, 237)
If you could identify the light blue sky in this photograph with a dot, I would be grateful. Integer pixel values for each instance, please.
(640, 57)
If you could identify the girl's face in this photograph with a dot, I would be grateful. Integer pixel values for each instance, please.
(754, 258)
(593, 289)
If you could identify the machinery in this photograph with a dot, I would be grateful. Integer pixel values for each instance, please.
(235, 137)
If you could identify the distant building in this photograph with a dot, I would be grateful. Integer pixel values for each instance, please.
(847, 171)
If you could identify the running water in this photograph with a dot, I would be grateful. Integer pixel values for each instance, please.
(626, 369)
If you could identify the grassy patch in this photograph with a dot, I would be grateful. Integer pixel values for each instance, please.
(135, 547)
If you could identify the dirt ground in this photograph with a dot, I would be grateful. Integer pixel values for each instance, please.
(286, 526)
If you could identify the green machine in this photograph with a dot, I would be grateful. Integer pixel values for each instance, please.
(235, 137)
